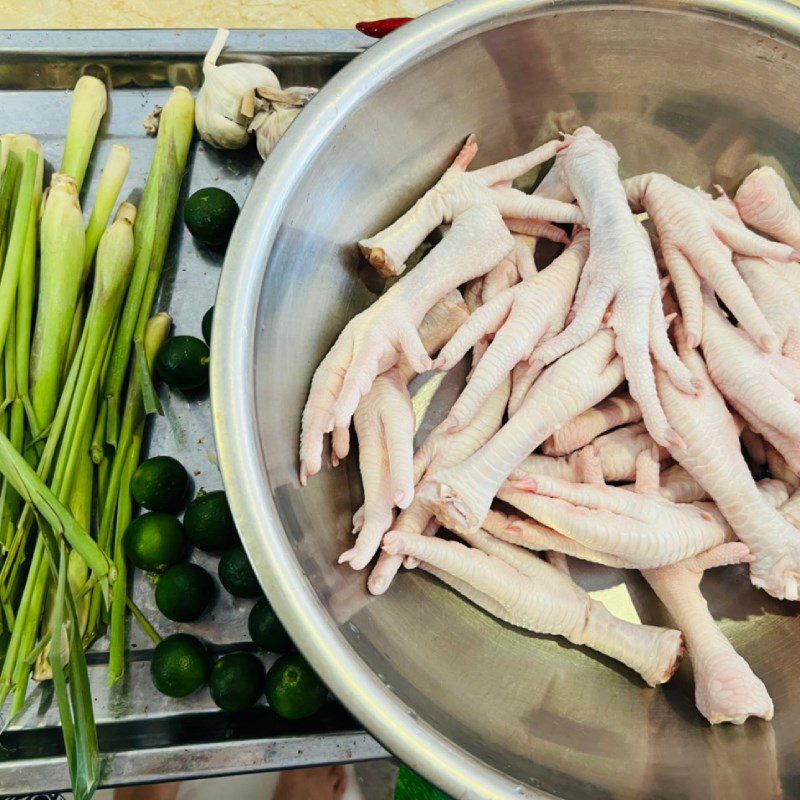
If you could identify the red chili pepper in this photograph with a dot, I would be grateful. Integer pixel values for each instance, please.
(378, 28)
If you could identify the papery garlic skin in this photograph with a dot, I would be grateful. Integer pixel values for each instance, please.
(276, 111)
(218, 112)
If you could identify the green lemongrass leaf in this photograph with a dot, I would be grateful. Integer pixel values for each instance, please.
(113, 176)
(37, 494)
(144, 624)
(23, 614)
(116, 658)
(98, 448)
(40, 647)
(152, 404)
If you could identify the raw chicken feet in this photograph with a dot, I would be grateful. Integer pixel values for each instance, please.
(621, 270)
(456, 192)
(373, 341)
(726, 690)
(541, 599)
(519, 318)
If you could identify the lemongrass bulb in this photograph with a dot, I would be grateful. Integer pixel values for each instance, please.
(277, 110)
(220, 118)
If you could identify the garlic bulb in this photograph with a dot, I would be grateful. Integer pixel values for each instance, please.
(219, 114)
(276, 111)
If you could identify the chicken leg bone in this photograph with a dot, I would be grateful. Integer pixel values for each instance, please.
(621, 269)
(541, 599)
(457, 191)
(463, 493)
(765, 204)
(726, 689)
(374, 340)
(519, 318)
(714, 459)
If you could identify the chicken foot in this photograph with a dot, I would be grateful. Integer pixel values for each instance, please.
(620, 274)
(456, 192)
(726, 689)
(535, 596)
(519, 318)
(373, 341)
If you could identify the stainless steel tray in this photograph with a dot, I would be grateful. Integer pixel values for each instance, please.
(145, 736)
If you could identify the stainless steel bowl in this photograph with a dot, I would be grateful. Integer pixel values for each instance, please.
(701, 90)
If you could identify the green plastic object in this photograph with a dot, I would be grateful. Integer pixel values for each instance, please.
(411, 787)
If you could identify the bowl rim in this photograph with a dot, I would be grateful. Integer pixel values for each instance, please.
(385, 715)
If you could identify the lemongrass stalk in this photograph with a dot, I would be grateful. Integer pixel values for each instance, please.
(157, 211)
(114, 263)
(89, 103)
(119, 593)
(156, 332)
(16, 242)
(33, 490)
(8, 184)
(17, 550)
(115, 171)
(80, 506)
(24, 619)
(5, 149)
(62, 249)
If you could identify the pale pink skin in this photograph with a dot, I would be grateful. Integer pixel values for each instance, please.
(777, 298)
(374, 341)
(519, 317)
(527, 592)
(698, 237)
(384, 422)
(462, 494)
(761, 387)
(585, 428)
(440, 450)
(713, 457)
(765, 204)
(641, 529)
(516, 266)
(778, 467)
(617, 452)
(456, 192)
(726, 689)
(621, 270)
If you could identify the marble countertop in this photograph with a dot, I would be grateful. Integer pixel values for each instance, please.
(204, 13)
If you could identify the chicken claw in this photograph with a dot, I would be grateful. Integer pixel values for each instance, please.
(714, 459)
(519, 318)
(457, 191)
(762, 387)
(440, 450)
(765, 204)
(698, 237)
(621, 269)
(463, 493)
(374, 341)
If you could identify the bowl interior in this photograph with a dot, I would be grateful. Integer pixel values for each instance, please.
(700, 97)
